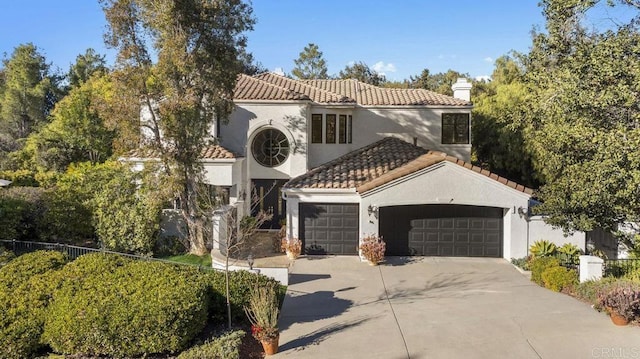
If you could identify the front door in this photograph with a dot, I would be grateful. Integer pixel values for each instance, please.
(267, 197)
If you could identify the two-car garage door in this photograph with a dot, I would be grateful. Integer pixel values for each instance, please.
(442, 230)
(426, 230)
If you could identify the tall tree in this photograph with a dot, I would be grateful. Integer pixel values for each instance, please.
(583, 124)
(198, 44)
(28, 94)
(440, 82)
(76, 133)
(498, 120)
(310, 65)
(361, 72)
(86, 65)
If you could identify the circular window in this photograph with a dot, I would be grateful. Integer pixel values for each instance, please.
(270, 147)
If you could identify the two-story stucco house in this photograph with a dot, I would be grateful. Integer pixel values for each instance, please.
(340, 159)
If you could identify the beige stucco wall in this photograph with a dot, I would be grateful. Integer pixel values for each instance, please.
(448, 183)
(373, 124)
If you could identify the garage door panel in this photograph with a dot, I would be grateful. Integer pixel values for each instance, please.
(447, 223)
(442, 230)
(329, 228)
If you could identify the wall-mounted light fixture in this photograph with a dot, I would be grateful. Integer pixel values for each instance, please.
(373, 210)
(523, 212)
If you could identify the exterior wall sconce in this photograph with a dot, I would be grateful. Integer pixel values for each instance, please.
(522, 212)
(373, 210)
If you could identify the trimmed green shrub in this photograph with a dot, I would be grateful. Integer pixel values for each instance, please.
(27, 284)
(559, 278)
(110, 306)
(539, 265)
(240, 285)
(5, 256)
(226, 346)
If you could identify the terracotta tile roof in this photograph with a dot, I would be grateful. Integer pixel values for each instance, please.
(214, 152)
(369, 95)
(380, 163)
(253, 88)
(269, 86)
(316, 94)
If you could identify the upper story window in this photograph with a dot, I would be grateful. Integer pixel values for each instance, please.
(316, 128)
(455, 128)
(331, 128)
(270, 147)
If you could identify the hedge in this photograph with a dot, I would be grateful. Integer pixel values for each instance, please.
(226, 346)
(27, 284)
(240, 284)
(110, 306)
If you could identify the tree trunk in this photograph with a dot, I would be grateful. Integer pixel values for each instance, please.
(195, 222)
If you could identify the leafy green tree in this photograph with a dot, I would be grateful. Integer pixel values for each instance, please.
(363, 73)
(310, 65)
(199, 46)
(86, 65)
(76, 133)
(582, 125)
(440, 82)
(27, 95)
(498, 122)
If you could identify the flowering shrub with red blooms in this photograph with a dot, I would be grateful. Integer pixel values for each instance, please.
(373, 248)
(261, 333)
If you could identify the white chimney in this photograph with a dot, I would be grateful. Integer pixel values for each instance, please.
(462, 89)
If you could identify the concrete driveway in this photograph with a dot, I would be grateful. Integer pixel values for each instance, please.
(426, 307)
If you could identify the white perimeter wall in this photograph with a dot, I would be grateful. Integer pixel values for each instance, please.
(539, 230)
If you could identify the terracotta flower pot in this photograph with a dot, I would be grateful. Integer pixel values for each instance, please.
(270, 346)
(617, 319)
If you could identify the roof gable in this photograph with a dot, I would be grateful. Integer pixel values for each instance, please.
(380, 163)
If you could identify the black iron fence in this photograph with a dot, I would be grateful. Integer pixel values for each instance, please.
(73, 252)
(619, 267)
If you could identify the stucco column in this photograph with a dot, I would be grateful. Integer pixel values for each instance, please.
(591, 268)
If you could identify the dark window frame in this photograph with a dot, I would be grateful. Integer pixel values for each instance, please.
(331, 128)
(455, 129)
(349, 129)
(317, 133)
(342, 128)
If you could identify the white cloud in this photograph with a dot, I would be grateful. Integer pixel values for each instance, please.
(382, 68)
(486, 78)
(278, 71)
(351, 63)
(488, 59)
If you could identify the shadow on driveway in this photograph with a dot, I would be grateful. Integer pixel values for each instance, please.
(318, 336)
(309, 307)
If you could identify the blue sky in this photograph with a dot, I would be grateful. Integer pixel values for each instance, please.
(399, 38)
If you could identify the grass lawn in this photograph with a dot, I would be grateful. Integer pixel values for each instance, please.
(204, 260)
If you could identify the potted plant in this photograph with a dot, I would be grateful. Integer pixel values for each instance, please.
(372, 248)
(293, 247)
(262, 311)
(622, 303)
